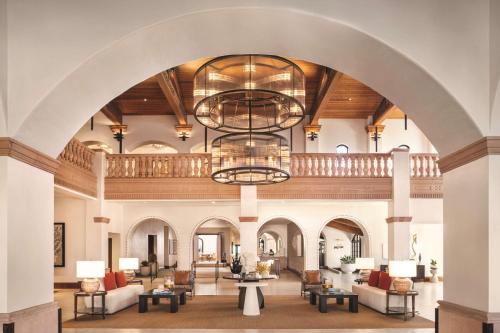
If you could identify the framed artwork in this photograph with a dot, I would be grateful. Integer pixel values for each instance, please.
(59, 244)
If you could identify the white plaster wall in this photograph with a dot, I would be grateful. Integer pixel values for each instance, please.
(430, 244)
(60, 55)
(336, 237)
(72, 212)
(350, 132)
(395, 135)
(3, 67)
(26, 225)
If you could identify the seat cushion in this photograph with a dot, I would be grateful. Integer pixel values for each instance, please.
(119, 298)
(109, 281)
(182, 277)
(121, 279)
(313, 277)
(373, 279)
(384, 281)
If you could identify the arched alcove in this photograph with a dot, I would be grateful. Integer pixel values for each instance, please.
(154, 147)
(149, 235)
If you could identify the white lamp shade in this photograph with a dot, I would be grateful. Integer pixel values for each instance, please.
(89, 269)
(126, 264)
(403, 268)
(365, 263)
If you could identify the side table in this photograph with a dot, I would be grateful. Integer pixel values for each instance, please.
(92, 311)
(401, 310)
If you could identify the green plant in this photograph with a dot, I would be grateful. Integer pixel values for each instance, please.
(434, 262)
(144, 263)
(347, 260)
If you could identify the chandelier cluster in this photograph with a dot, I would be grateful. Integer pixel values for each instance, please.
(250, 97)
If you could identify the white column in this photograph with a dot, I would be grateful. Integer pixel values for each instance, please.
(248, 220)
(471, 246)
(27, 247)
(399, 207)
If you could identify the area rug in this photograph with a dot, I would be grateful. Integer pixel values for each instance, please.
(221, 312)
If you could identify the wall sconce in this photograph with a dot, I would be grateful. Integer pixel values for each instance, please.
(119, 132)
(375, 133)
(183, 131)
(312, 131)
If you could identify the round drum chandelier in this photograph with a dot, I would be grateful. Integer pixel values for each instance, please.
(250, 159)
(241, 93)
(249, 96)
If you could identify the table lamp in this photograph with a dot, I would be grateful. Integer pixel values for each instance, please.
(128, 265)
(402, 270)
(365, 266)
(90, 271)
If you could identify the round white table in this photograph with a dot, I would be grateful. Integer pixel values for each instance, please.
(251, 307)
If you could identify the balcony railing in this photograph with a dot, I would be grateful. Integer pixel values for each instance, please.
(199, 165)
(76, 171)
(314, 176)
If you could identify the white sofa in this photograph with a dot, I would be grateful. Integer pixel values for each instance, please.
(376, 298)
(119, 298)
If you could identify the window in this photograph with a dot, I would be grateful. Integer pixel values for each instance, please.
(356, 246)
(404, 147)
(342, 149)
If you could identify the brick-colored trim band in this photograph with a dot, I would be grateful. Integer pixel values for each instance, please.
(488, 317)
(101, 219)
(489, 145)
(26, 154)
(393, 219)
(248, 218)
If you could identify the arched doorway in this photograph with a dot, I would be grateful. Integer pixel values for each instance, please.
(286, 240)
(153, 236)
(341, 237)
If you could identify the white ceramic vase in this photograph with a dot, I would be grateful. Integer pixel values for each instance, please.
(347, 268)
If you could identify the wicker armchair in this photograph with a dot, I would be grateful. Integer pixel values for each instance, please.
(180, 281)
(307, 285)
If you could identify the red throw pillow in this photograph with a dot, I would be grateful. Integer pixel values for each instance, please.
(121, 279)
(109, 281)
(373, 279)
(384, 281)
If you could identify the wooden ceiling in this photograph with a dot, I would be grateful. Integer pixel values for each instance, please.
(347, 97)
(345, 225)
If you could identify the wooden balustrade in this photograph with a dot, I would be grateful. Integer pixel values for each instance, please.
(77, 154)
(341, 165)
(424, 166)
(158, 165)
(76, 171)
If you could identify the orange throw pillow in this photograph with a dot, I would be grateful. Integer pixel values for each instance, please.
(384, 281)
(373, 279)
(313, 277)
(121, 279)
(181, 277)
(109, 281)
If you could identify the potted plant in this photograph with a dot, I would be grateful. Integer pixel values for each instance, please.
(347, 264)
(236, 266)
(434, 269)
(145, 269)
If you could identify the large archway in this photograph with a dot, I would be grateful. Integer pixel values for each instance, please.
(141, 54)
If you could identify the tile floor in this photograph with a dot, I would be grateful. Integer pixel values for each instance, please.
(288, 284)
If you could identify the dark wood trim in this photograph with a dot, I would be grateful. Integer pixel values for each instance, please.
(488, 328)
(436, 319)
(113, 113)
(8, 328)
(382, 111)
(67, 285)
(329, 81)
(21, 152)
(170, 87)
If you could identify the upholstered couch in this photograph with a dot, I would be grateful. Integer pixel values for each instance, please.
(373, 294)
(117, 298)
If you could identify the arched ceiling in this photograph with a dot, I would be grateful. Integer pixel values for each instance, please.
(346, 226)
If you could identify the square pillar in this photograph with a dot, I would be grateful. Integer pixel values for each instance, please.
(399, 207)
(27, 247)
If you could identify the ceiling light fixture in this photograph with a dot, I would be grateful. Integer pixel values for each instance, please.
(258, 93)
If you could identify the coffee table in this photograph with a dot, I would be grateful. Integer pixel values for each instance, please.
(178, 296)
(338, 294)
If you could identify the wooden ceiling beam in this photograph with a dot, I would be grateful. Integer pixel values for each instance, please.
(113, 113)
(170, 87)
(342, 227)
(329, 82)
(384, 109)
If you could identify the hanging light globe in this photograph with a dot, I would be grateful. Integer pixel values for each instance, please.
(250, 159)
(243, 93)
